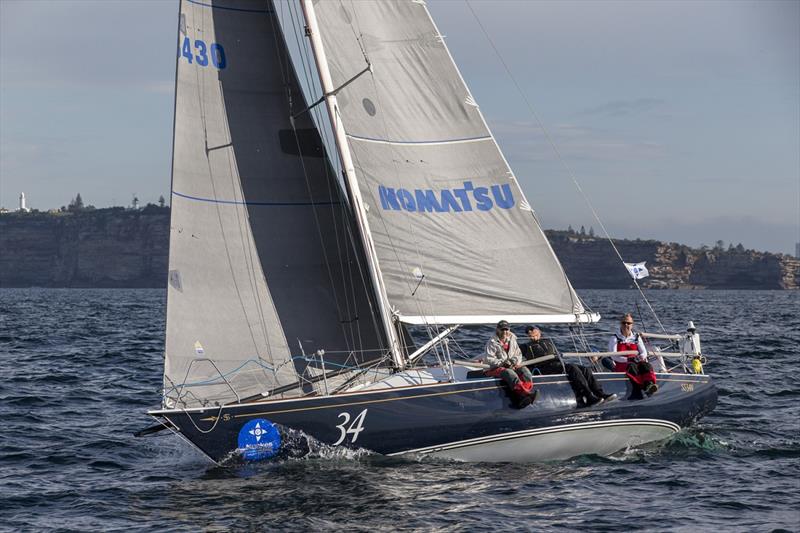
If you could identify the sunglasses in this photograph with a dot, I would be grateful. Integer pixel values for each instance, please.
(627, 323)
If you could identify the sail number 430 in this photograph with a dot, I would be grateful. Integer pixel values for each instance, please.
(201, 53)
(354, 428)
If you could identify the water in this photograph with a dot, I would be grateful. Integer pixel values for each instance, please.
(80, 367)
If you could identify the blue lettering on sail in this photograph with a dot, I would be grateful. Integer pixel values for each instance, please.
(426, 201)
(504, 200)
(201, 53)
(406, 200)
(466, 198)
(388, 198)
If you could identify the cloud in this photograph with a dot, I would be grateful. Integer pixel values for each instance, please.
(619, 108)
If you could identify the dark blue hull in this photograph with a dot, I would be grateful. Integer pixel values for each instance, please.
(469, 420)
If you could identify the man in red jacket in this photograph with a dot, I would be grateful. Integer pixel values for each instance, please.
(635, 366)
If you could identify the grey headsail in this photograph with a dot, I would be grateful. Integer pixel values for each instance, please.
(456, 240)
(264, 273)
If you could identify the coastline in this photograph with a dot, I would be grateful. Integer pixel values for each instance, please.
(128, 248)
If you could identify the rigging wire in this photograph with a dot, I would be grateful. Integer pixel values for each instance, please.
(287, 83)
(308, 71)
(558, 154)
(345, 262)
(432, 329)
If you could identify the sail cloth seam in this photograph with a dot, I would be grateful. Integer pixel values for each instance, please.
(416, 143)
(404, 265)
(560, 158)
(271, 204)
(360, 36)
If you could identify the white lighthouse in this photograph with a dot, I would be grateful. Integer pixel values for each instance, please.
(22, 207)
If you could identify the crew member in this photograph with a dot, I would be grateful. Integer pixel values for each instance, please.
(504, 359)
(587, 390)
(635, 366)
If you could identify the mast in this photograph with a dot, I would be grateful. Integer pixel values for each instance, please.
(350, 181)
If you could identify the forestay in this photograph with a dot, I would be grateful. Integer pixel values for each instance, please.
(262, 267)
(456, 240)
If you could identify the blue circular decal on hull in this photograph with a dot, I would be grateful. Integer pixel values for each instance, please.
(259, 439)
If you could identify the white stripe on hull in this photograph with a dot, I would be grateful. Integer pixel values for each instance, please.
(555, 443)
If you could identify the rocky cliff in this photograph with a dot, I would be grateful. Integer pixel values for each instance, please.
(119, 247)
(591, 263)
(113, 247)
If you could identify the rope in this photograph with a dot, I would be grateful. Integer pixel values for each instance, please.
(216, 420)
(560, 158)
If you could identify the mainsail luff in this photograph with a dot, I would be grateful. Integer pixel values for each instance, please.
(261, 271)
(352, 185)
(453, 231)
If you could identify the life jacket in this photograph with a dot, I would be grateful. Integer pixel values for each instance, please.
(642, 378)
(622, 346)
(523, 388)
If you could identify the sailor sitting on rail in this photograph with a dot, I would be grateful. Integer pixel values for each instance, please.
(505, 361)
(587, 389)
(635, 366)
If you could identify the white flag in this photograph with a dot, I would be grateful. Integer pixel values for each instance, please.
(637, 270)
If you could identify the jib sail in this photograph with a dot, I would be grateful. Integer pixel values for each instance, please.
(264, 275)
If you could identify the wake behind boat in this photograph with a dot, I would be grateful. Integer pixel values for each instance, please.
(304, 245)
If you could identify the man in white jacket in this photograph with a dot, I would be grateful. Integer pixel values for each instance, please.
(505, 361)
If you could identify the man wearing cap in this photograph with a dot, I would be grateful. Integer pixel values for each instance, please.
(588, 391)
(505, 361)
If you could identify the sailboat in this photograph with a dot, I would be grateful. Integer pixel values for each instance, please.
(310, 240)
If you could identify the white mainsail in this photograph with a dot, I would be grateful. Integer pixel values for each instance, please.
(263, 271)
(455, 238)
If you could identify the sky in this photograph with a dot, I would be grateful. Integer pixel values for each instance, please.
(680, 119)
